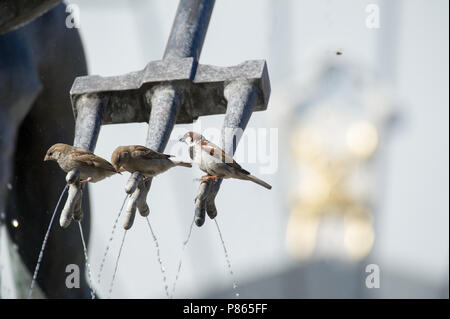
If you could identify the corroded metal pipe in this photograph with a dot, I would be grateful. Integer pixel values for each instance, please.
(189, 29)
(89, 114)
(185, 40)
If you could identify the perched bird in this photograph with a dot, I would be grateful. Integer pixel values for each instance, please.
(137, 158)
(92, 168)
(214, 161)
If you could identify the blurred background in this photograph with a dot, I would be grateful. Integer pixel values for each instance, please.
(357, 153)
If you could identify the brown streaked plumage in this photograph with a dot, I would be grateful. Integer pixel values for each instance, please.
(137, 158)
(214, 161)
(92, 168)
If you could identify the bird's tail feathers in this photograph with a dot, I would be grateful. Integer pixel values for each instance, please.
(258, 181)
(184, 164)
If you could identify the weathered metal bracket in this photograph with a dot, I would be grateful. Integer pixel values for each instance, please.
(129, 95)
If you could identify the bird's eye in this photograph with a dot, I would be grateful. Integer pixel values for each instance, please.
(122, 157)
(50, 154)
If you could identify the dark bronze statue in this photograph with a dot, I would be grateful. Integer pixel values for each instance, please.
(39, 60)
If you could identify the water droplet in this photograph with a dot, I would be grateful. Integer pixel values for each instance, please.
(158, 258)
(230, 269)
(15, 223)
(117, 264)
(88, 266)
(181, 257)
(44, 243)
(99, 275)
(9, 186)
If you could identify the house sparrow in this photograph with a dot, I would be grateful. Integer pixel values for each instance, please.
(214, 161)
(136, 158)
(91, 167)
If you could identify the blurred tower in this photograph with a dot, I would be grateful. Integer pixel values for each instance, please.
(335, 135)
(336, 124)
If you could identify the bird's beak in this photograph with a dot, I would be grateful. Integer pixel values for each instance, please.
(119, 169)
(46, 158)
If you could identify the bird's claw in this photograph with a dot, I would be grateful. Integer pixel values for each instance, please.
(87, 180)
(209, 178)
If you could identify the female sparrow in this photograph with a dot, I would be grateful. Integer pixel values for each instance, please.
(91, 167)
(214, 161)
(136, 158)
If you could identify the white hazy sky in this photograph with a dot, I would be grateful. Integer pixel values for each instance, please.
(412, 226)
